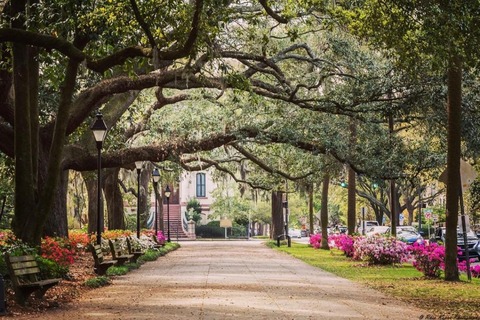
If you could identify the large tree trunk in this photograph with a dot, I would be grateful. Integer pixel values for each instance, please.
(57, 221)
(114, 200)
(34, 199)
(454, 111)
(393, 212)
(352, 204)
(277, 215)
(324, 212)
(91, 185)
(352, 186)
(26, 209)
(310, 207)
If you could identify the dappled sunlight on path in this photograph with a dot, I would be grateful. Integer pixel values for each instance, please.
(224, 279)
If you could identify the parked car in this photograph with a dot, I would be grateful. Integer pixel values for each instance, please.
(343, 229)
(473, 243)
(294, 233)
(370, 231)
(367, 225)
(408, 234)
(305, 233)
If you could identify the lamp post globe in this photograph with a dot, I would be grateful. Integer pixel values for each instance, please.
(138, 166)
(99, 129)
(167, 195)
(156, 178)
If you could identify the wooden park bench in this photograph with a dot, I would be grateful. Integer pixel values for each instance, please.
(101, 265)
(117, 253)
(136, 253)
(25, 277)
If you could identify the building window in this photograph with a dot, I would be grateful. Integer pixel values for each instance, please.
(201, 185)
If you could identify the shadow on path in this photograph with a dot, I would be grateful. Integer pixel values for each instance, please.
(225, 279)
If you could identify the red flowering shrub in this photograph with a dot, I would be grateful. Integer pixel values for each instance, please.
(57, 250)
(149, 232)
(6, 236)
(115, 234)
(78, 240)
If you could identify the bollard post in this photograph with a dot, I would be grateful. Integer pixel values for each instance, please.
(3, 308)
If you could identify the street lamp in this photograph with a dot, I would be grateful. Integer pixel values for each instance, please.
(99, 129)
(167, 195)
(156, 178)
(138, 165)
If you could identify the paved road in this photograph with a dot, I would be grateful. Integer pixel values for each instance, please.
(232, 279)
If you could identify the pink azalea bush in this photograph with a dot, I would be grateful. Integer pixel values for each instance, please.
(380, 250)
(474, 270)
(316, 240)
(342, 242)
(428, 258)
(160, 237)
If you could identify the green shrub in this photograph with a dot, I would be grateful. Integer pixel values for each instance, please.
(151, 255)
(97, 282)
(132, 265)
(16, 248)
(117, 270)
(51, 269)
(3, 266)
(170, 246)
(208, 231)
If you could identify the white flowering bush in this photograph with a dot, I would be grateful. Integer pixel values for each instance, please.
(380, 250)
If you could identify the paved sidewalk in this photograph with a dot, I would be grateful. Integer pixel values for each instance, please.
(232, 279)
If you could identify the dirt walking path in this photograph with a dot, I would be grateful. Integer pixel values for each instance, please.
(231, 279)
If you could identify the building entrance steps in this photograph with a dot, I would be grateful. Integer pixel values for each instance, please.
(233, 280)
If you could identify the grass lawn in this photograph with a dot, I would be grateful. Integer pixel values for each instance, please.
(444, 300)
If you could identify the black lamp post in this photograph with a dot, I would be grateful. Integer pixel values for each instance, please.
(167, 195)
(156, 178)
(138, 165)
(99, 129)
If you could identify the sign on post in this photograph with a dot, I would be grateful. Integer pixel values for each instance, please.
(225, 223)
(428, 214)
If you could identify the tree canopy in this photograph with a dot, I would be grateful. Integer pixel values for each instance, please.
(261, 91)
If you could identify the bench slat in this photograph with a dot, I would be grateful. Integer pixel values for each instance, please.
(26, 264)
(26, 271)
(21, 258)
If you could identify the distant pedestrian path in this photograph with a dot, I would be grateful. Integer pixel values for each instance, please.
(232, 280)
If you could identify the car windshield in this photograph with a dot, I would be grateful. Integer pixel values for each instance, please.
(470, 234)
(407, 232)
